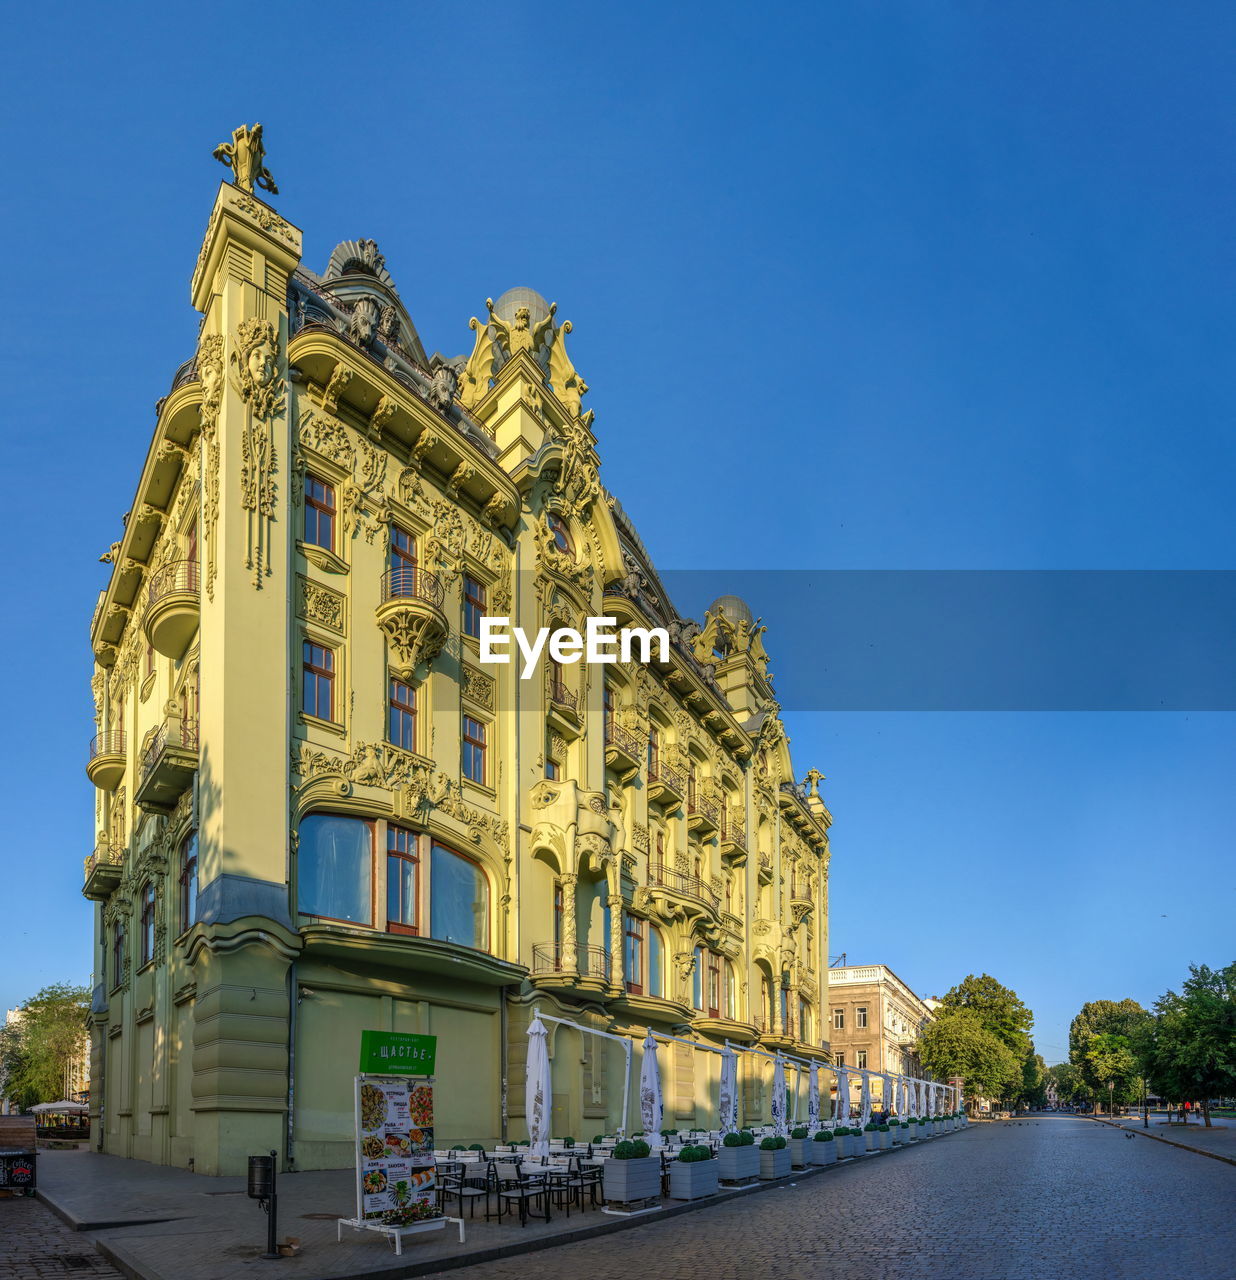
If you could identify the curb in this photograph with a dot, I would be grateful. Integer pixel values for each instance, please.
(1158, 1137)
(118, 1257)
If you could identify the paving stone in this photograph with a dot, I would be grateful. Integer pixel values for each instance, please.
(36, 1245)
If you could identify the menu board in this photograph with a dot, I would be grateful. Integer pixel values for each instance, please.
(394, 1131)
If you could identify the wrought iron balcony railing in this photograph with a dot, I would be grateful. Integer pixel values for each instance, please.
(618, 736)
(411, 582)
(590, 961)
(690, 886)
(560, 695)
(178, 733)
(666, 775)
(111, 743)
(180, 577)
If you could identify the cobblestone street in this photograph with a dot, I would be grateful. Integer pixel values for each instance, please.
(1049, 1198)
(35, 1244)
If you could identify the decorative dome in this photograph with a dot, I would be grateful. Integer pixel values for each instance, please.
(521, 296)
(734, 608)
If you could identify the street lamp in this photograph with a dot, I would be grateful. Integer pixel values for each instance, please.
(1111, 1085)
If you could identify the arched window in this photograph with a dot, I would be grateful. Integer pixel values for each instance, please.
(804, 1020)
(188, 881)
(148, 922)
(697, 979)
(633, 953)
(334, 867)
(458, 899)
(656, 963)
(561, 534)
(731, 992)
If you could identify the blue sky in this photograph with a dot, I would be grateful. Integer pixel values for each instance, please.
(908, 286)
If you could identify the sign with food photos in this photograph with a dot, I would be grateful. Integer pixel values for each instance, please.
(394, 1144)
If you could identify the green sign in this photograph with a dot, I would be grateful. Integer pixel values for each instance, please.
(397, 1053)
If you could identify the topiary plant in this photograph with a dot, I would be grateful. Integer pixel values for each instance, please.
(800, 1132)
(623, 1151)
(870, 1127)
(694, 1154)
(642, 1149)
(746, 1138)
(477, 1146)
(568, 1142)
(883, 1128)
(600, 1137)
(824, 1135)
(732, 1140)
(768, 1144)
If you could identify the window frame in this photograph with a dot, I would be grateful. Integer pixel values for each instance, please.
(320, 675)
(838, 1019)
(411, 854)
(406, 712)
(324, 510)
(860, 1059)
(188, 876)
(372, 825)
(147, 924)
(473, 749)
(561, 533)
(860, 1017)
(118, 954)
(475, 604)
(634, 934)
(485, 948)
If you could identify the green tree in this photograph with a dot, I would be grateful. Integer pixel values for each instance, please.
(1100, 1060)
(999, 1008)
(957, 1042)
(1070, 1089)
(1033, 1091)
(1191, 1051)
(36, 1050)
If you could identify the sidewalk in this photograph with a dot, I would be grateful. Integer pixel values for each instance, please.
(160, 1223)
(1218, 1141)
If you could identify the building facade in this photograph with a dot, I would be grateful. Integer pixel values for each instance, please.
(320, 812)
(874, 1020)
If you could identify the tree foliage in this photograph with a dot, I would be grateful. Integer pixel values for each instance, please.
(1000, 1010)
(1070, 1088)
(1106, 1045)
(958, 1042)
(1190, 1052)
(37, 1048)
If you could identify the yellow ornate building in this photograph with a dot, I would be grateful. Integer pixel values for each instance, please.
(319, 811)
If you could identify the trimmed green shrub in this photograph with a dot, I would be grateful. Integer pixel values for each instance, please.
(642, 1149)
(772, 1144)
(694, 1154)
(870, 1127)
(824, 1135)
(732, 1140)
(568, 1142)
(600, 1137)
(800, 1132)
(477, 1146)
(883, 1128)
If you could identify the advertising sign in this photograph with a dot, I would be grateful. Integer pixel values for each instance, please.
(394, 1144)
(390, 1053)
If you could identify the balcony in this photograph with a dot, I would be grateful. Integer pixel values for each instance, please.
(167, 765)
(173, 608)
(105, 767)
(102, 872)
(562, 966)
(410, 615)
(665, 784)
(733, 842)
(764, 870)
(622, 750)
(562, 706)
(687, 886)
(703, 814)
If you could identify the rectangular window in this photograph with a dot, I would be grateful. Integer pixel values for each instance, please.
(473, 750)
(654, 751)
(319, 681)
(633, 955)
(403, 549)
(402, 717)
(188, 882)
(714, 985)
(148, 923)
(557, 925)
(860, 1016)
(838, 1019)
(607, 709)
(473, 606)
(553, 766)
(841, 1059)
(118, 955)
(804, 1021)
(402, 880)
(319, 512)
(861, 1058)
(334, 867)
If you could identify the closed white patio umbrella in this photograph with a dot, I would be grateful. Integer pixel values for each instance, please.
(864, 1102)
(778, 1098)
(650, 1092)
(538, 1089)
(813, 1099)
(841, 1114)
(727, 1101)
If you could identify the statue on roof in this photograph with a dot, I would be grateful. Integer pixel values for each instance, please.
(244, 156)
(563, 376)
(521, 334)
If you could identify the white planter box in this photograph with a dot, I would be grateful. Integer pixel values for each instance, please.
(627, 1180)
(775, 1164)
(871, 1140)
(884, 1139)
(854, 1145)
(693, 1180)
(799, 1152)
(905, 1134)
(738, 1164)
(823, 1152)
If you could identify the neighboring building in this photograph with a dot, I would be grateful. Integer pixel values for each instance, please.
(318, 812)
(874, 1020)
